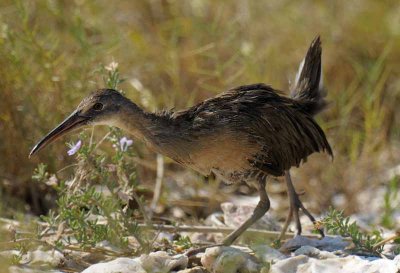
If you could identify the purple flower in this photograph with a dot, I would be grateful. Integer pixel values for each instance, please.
(124, 143)
(74, 148)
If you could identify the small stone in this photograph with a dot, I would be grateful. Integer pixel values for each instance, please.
(229, 260)
(215, 219)
(46, 257)
(290, 265)
(120, 265)
(161, 262)
(178, 213)
(38, 257)
(314, 252)
(17, 269)
(8, 255)
(268, 254)
(308, 251)
(107, 245)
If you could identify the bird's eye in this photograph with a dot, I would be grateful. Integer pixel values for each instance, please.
(98, 106)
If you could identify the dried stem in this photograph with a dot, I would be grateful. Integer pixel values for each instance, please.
(387, 240)
(158, 186)
(207, 229)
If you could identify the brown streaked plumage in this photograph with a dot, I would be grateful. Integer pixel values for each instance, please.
(244, 134)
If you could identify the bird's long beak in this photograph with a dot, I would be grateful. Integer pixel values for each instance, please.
(74, 121)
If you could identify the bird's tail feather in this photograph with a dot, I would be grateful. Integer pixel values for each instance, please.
(308, 87)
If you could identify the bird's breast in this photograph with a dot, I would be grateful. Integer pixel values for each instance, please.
(226, 155)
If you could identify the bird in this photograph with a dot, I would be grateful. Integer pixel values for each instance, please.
(245, 134)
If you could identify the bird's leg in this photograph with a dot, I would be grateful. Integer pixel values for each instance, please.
(295, 206)
(261, 208)
(287, 221)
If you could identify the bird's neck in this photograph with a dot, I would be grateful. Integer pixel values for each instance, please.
(155, 130)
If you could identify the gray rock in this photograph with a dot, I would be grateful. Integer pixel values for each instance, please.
(349, 264)
(215, 219)
(107, 245)
(229, 260)
(314, 252)
(268, 254)
(328, 243)
(19, 269)
(46, 257)
(8, 255)
(120, 265)
(161, 262)
(37, 258)
(289, 265)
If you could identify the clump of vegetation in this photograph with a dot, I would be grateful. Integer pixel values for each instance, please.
(182, 243)
(391, 201)
(336, 223)
(97, 203)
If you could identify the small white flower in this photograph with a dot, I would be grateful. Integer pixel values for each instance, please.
(246, 48)
(75, 148)
(111, 66)
(53, 181)
(124, 143)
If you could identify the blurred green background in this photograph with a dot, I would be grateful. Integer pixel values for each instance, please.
(176, 53)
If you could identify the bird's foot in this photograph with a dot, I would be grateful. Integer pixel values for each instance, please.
(317, 224)
(295, 206)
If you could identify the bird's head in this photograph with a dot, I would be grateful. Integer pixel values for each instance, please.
(99, 108)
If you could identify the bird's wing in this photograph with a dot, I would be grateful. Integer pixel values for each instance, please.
(283, 133)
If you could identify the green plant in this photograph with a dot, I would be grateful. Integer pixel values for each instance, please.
(336, 223)
(397, 249)
(390, 203)
(184, 242)
(96, 204)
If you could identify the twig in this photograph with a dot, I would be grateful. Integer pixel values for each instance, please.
(101, 141)
(387, 240)
(206, 229)
(9, 221)
(66, 167)
(78, 248)
(13, 244)
(91, 136)
(158, 186)
(97, 250)
(152, 166)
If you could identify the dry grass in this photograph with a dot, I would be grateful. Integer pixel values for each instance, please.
(174, 54)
